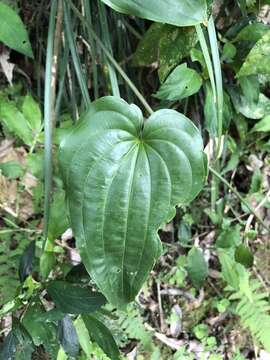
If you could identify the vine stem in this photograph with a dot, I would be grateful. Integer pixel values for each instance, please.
(250, 208)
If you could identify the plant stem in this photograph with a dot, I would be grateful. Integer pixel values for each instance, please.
(75, 58)
(106, 38)
(250, 208)
(48, 119)
(87, 9)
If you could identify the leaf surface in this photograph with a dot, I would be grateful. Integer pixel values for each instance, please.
(74, 299)
(258, 60)
(13, 32)
(68, 337)
(197, 267)
(181, 83)
(123, 180)
(175, 12)
(102, 336)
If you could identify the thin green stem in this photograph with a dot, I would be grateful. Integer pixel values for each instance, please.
(48, 120)
(107, 43)
(75, 57)
(123, 74)
(87, 9)
(62, 76)
(250, 208)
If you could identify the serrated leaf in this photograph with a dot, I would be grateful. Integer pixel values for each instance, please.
(14, 120)
(181, 83)
(13, 32)
(197, 267)
(131, 178)
(258, 60)
(73, 299)
(102, 336)
(32, 113)
(175, 12)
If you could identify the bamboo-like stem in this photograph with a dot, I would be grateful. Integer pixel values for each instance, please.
(75, 57)
(112, 60)
(107, 42)
(49, 117)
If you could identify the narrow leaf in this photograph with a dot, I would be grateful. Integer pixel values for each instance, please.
(68, 337)
(26, 261)
(102, 336)
(197, 267)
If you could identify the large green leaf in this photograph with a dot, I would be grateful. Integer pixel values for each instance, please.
(13, 32)
(123, 180)
(175, 12)
(74, 299)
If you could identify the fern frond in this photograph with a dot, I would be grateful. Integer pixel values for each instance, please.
(132, 324)
(254, 312)
(10, 251)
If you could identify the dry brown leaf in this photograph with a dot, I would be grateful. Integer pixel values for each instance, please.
(7, 66)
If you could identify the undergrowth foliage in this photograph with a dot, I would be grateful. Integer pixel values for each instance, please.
(127, 231)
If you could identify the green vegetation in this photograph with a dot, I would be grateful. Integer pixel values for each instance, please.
(134, 179)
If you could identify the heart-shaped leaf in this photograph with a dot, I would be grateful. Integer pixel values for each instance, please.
(123, 180)
(175, 12)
